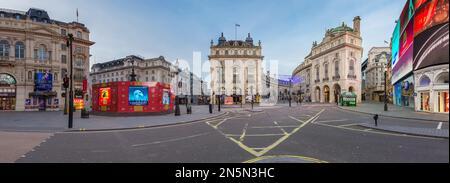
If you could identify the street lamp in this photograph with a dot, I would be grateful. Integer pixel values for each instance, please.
(385, 90)
(251, 90)
(177, 107)
(290, 86)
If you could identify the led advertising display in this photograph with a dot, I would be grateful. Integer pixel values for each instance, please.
(418, 3)
(405, 63)
(105, 96)
(431, 31)
(395, 44)
(138, 95)
(43, 81)
(407, 14)
(432, 13)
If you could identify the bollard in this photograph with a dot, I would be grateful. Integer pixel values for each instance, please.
(375, 118)
(210, 109)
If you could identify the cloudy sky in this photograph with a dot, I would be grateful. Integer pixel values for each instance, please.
(177, 28)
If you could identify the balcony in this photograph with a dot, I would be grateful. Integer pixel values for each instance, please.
(5, 60)
(336, 78)
(326, 79)
(317, 81)
(351, 76)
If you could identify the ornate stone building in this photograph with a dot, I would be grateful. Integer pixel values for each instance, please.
(236, 68)
(376, 64)
(146, 70)
(333, 65)
(33, 45)
(303, 75)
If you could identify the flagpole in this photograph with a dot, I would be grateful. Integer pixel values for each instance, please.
(235, 31)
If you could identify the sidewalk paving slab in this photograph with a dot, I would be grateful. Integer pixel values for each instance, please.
(396, 112)
(428, 132)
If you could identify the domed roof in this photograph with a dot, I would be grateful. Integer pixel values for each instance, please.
(342, 28)
(222, 38)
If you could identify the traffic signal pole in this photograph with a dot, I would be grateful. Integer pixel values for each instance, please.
(69, 44)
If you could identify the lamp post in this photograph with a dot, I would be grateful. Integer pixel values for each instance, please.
(290, 86)
(69, 44)
(251, 90)
(177, 107)
(385, 90)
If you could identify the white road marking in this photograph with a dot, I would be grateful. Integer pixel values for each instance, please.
(327, 121)
(253, 135)
(277, 125)
(243, 132)
(439, 126)
(296, 119)
(171, 140)
(274, 126)
(351, 124)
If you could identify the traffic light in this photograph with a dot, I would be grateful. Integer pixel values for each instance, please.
(66, 82)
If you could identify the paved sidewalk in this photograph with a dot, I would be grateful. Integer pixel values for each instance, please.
(430, 132)
(57, 122)
(396, 112)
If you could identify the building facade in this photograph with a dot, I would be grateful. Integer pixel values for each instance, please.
(236, 69)
(374, 73)
(334, 64)
(34, 59)
(146, 70)
(303, 74)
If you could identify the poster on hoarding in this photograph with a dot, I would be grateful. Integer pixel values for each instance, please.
(138, 95)
(105, 96)
(166, 97)
(43, 81)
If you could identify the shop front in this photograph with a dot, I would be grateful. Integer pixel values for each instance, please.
(7, 92)
(433, 90)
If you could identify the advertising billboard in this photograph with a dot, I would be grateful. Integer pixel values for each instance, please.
(43, 81)
(395, 44)
(407, 14)
(105, 96)
(431, 30)
(418, 3)
(405, 62)
(166, 97)
(138, 95)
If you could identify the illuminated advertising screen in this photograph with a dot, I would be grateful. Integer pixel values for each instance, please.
(78, 103)
(43, 81)
(395, 44)
(431, 29)
(407, 14)
(418, 3)
(405, 62)
(432, 13)
(138, 95)
(105, 96)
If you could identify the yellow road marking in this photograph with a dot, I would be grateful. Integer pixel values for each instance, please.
(296, 119)
(314, 160)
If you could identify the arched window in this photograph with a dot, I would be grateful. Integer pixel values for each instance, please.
(351, 67)
(42, 53)
(317, 73)
(20, 50)
(442, 78)
(79, 35)
(424, 81)
(4, 48)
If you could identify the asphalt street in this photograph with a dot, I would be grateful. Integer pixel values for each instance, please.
(311, 134)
